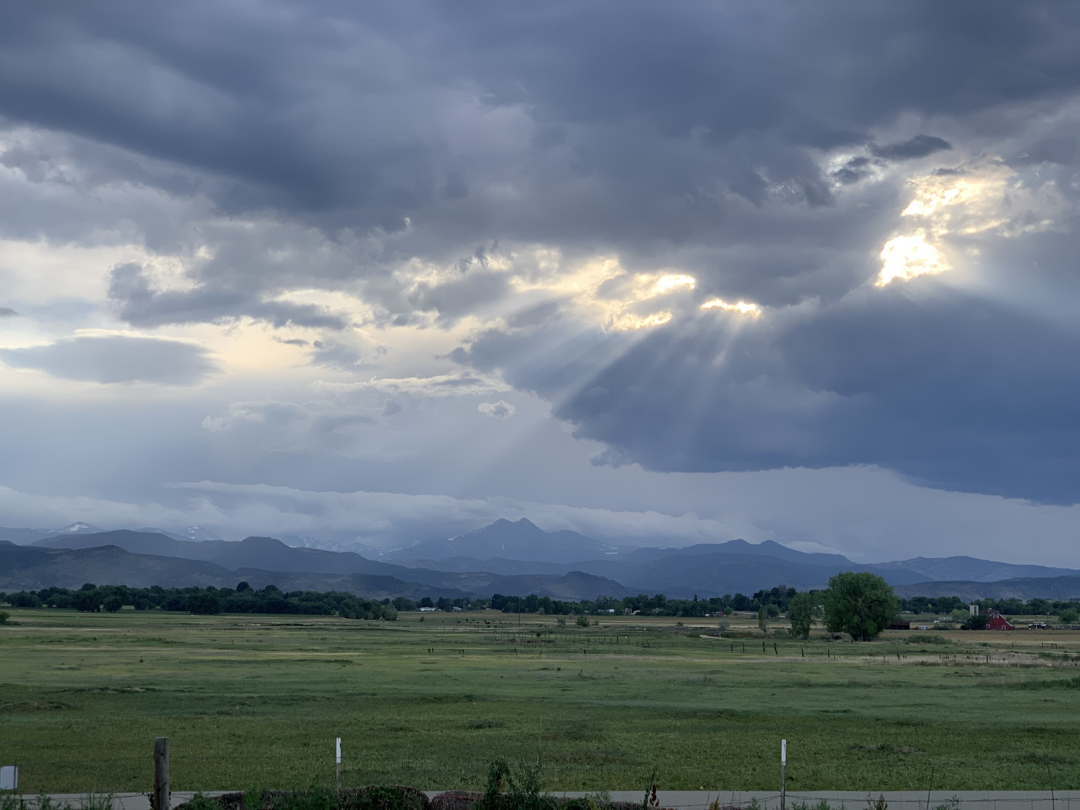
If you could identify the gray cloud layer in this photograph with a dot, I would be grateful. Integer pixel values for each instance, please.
(116, 359)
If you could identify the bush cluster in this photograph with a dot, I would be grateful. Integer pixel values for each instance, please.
(206, 601)
(774, 600)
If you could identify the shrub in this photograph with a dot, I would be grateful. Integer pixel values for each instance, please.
(505, 792)
(4, 616)
(582, 621)
(384, 798)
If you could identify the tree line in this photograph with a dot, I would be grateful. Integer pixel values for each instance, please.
(243, 598)
(860, 604)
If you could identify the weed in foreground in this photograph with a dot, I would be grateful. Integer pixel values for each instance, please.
(94, 801)
(505, 791)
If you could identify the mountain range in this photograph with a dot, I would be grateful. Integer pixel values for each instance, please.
(513, 558)
(148, 558)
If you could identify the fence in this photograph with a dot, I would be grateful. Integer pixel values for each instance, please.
(725, 800)
(161, 798)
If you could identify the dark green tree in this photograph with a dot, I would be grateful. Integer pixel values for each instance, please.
(88, 600)
(113, 603)
(204, 603)
(859, 603)
(975, 622)
(802, 611)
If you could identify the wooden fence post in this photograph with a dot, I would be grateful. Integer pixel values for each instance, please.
(160, 797)
(337, 763)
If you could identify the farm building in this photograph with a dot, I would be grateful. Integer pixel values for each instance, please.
(899, 624)
(998, 622)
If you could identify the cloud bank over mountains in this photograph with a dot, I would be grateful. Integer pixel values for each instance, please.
(574, 255)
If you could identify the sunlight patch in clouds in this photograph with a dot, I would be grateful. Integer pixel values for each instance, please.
(666, 283)
(983, 197)
(905, 257)
(742, 307)
(604, 292)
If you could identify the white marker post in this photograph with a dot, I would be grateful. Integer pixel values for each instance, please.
(337, 762)
(9, 777)
(783, 773)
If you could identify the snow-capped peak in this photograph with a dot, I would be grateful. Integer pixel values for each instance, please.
(79, 528)
(199, 534)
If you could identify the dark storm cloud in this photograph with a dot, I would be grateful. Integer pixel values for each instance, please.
(116, 359)
(642, 116)
(669, 133)
(453, 299)
(951, 391)
(8, 312)
(140, 304)
(918, 147)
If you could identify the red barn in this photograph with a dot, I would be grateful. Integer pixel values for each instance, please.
(998, 622)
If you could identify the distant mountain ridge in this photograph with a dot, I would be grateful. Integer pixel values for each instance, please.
(738, 566)
(32, 568)
(974, 569)
(271, 560)
(25, 536)
(520, 540)
(517, 557)
(1063, 588)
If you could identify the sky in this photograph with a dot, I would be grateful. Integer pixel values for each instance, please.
(658, 272)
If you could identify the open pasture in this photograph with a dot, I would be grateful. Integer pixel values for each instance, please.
(257, 701)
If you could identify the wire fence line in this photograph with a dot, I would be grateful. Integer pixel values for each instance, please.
(704, 800)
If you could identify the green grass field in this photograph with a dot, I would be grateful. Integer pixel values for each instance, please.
(256, 701)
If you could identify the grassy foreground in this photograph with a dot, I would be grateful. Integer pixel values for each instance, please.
(256, 701)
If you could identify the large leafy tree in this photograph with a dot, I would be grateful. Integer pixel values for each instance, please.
(859, 603)
(802, 610)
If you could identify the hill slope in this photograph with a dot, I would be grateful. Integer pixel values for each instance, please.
(1020, 588)
(34, 568)
(708, 569)
(519, 540)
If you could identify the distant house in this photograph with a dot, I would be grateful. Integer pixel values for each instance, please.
(1038, 626)
(998, 622)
